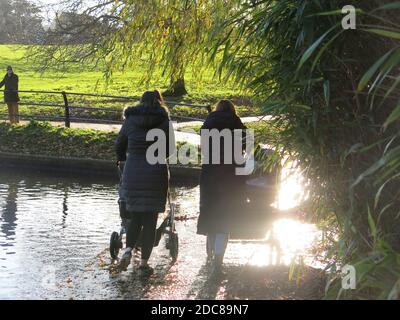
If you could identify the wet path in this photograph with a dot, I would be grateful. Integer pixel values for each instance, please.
(54, 235)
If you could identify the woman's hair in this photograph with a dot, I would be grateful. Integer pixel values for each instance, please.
(152, 99)
(225, 105)
(149, 99)
(159, 96)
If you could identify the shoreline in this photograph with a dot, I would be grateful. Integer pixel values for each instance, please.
(83, 166)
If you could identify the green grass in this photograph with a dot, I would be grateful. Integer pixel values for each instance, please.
(42, 138)
(88, 79)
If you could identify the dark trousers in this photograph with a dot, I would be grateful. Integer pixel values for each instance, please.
(142, 224)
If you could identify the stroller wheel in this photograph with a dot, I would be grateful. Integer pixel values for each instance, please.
(115, 245)
(173, 246)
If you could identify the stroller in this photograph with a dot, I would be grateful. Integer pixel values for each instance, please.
(260, 190)
(166, 228)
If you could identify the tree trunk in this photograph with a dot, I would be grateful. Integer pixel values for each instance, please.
(177, 88)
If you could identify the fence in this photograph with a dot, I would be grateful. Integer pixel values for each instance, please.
(73, 113)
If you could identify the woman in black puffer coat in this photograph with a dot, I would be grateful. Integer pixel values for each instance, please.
(144, 185)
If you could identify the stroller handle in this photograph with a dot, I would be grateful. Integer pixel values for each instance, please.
(120, 167)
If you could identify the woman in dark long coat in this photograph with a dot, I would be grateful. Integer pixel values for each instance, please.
(11, 98)
(221, 189)
(144, 183)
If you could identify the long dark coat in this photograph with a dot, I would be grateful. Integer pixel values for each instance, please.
(10, 84)
(221, 190)
(144, 186)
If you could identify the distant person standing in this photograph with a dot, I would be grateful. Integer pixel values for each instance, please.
(10, 82)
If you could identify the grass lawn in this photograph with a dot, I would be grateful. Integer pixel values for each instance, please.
(86, 79)
(42, 138)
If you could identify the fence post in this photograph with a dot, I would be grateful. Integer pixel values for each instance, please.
(66, 109)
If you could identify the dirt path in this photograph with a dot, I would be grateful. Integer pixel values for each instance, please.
(116, 127)
(179, 135)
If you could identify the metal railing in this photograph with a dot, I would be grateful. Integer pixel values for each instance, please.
(67, 115)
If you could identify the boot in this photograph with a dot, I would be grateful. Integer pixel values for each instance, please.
(126, 259)
(216, 271)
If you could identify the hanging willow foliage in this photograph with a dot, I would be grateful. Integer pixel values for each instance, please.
(166, 35)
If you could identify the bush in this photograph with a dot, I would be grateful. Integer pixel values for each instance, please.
(334, 94)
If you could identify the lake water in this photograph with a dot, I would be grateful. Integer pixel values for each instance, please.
(54, 236)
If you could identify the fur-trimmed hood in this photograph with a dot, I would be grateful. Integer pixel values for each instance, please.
(146, 117)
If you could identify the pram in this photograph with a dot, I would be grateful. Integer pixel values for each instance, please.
(259, 193)
(166, 228)
(252, 221)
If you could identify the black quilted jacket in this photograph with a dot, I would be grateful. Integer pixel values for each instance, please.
(144, 185)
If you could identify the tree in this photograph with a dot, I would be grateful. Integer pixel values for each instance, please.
(78, 35)
(76, 28)
(172, 34)
(176, 36)
(20, 22)
(5, 21)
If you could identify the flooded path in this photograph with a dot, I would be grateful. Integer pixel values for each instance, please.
(54, 236)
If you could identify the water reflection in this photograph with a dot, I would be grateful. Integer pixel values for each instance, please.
(65, 207)
(286, 239)
(291, 191)
(45, 225)
(9, 214)
(63, 224)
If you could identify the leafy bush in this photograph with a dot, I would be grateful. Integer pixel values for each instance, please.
(334, 94)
